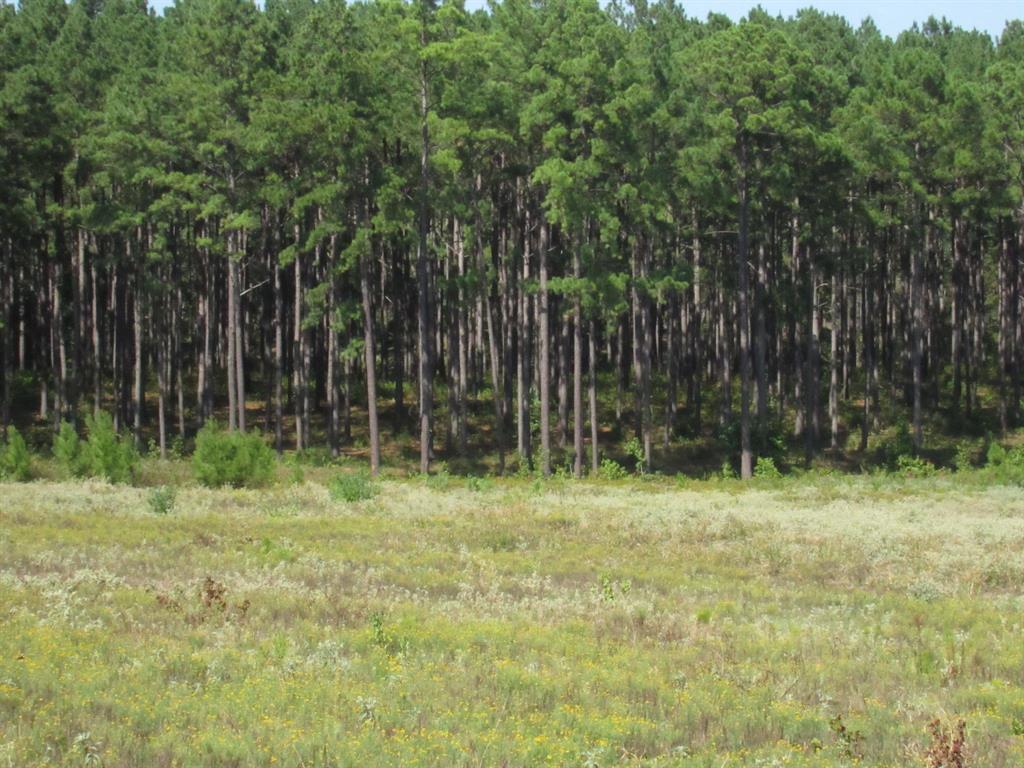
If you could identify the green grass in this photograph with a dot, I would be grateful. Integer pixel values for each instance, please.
(512, 623)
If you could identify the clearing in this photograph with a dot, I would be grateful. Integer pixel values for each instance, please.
(822, 621)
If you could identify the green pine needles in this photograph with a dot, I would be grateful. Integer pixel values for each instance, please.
(15, 461)
(238, 459)
(103, 454)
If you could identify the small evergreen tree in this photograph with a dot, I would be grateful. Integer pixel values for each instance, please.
(237, 459)
(15, 460)
(106, 455)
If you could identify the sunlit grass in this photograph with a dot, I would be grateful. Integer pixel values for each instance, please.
(511, 623)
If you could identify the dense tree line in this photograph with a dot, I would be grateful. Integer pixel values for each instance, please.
(291, 211)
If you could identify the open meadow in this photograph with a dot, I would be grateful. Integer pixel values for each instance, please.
(825, 621)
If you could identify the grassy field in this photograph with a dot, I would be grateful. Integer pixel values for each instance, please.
(814, 622)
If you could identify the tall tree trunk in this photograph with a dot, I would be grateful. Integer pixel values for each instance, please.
(833, 389)
(595, 456)
(97, 341)
(300, 383)
(917, 332)
(545, 353)
(742, 297)
(761, 335)
(239, 327)
(812, 365)
(956, 312)
(425, 315)
(696, 329)
(232, 338)
(370, 363)
(278, 359)
(577, 370)
(522, 353)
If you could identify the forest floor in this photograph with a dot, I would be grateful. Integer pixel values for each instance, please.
(819, 621)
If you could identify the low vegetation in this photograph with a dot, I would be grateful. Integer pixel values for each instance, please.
(237, 459)
(800, 621)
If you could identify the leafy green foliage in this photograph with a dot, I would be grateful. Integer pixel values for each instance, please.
(635, 449)
(103, 454)
(352, 487)
(1005, 466)
(765, 469)
(106, 454)
(914, 466)
(231, 458)
(897, 444)
(68, 451)
(611, 470)
(15, 459)
(161, 499)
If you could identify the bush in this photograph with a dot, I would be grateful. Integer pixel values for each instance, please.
(15, 460)
(611, 470)
(1005, 466)
(636, 451)
(109, 455)
(966, 456)
(67, 450)
(995, 455)
(896, 445)
(914, 466)
(352, 487)
(479, 484)
(765, 469)
(238, 459)
(161, 500)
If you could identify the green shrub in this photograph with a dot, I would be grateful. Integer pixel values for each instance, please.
(765, 469)
(966, 455)
(67, 450)
(440, 480)
(106, 454)
(15, 460)
(238, 459)
(351, 487)
(914, 466)
(636, 451)
(897, 444)
(161, 500)
(611, 470)
(479, 484)
(995, 455)
(1005, 466)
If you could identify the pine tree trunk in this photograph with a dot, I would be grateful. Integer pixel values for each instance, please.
(761, 335)
(239, 327)
(696, 330)
(833, 389)
(577, 372)
(232, 338)
(425, 331)
(299, 346)
(917, 332)
(595, 456)
(97, 342)
(742, 297)
(545, 354)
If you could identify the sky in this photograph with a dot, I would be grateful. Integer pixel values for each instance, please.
(890, 16)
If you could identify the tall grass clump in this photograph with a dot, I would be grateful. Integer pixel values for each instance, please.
(238, 459)
(352, 487)
(15, 460)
